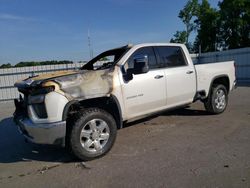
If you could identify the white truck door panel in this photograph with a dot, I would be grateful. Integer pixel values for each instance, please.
(145, 93)
(181, 85)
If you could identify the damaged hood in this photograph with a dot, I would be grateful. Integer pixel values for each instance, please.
(53, 75)
(79, 84)
(36, 80)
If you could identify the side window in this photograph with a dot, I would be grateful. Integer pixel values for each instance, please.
(104, 61)
(143, 51)
(171, 56)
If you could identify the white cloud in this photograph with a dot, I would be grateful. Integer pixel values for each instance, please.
(12, 17)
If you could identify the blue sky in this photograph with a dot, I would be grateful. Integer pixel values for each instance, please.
(36, 30)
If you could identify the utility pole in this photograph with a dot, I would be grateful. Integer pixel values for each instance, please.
(90, 46)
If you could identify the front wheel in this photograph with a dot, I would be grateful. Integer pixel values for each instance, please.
(93, 134)
(217, 100)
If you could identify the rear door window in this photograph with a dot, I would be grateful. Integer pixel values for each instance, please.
(170, 56)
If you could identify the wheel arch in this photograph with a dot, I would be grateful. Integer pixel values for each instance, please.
(109, 104)
(221, 79)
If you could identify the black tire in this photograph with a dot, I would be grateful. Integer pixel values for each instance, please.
(211, 103)
(81, 121)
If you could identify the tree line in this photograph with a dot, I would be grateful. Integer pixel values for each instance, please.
(35, 63)
(216, 29)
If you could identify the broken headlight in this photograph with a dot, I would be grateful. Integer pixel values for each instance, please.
(42, 90)
(36, 99)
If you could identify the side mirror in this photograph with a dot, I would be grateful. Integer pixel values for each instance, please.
(140, 67)
(129, 74)
(140, 64)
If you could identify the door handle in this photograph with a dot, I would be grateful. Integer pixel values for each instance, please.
(158, 76)
(189, 72)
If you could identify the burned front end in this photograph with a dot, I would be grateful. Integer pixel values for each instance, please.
(39, 113)
(43, 99)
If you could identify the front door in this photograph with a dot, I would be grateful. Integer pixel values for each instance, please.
(146, 92)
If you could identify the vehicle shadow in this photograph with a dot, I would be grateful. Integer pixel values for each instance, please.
(187, 111)
(13, 147)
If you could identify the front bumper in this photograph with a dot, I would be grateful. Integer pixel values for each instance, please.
(40, 133)
(46, 133)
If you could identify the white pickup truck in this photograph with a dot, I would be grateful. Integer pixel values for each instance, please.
(83, 109)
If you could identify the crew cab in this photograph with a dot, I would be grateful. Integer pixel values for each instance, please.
(82, 109)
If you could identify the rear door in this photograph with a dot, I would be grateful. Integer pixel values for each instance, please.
(180, 76)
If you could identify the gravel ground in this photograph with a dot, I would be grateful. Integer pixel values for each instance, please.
(181, 148)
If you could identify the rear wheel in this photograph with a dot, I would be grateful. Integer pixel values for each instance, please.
(93, 134)
(217, 100)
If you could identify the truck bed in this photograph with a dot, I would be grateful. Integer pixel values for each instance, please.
(206, 73)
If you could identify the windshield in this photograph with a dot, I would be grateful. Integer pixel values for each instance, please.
(106, 59)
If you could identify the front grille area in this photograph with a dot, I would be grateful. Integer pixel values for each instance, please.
(38, 107)
(40, 110)
(21, 107)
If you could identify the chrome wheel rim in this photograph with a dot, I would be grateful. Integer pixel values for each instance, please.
(94, 135)
(220, 99)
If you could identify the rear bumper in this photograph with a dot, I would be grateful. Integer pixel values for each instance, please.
(49, 133)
